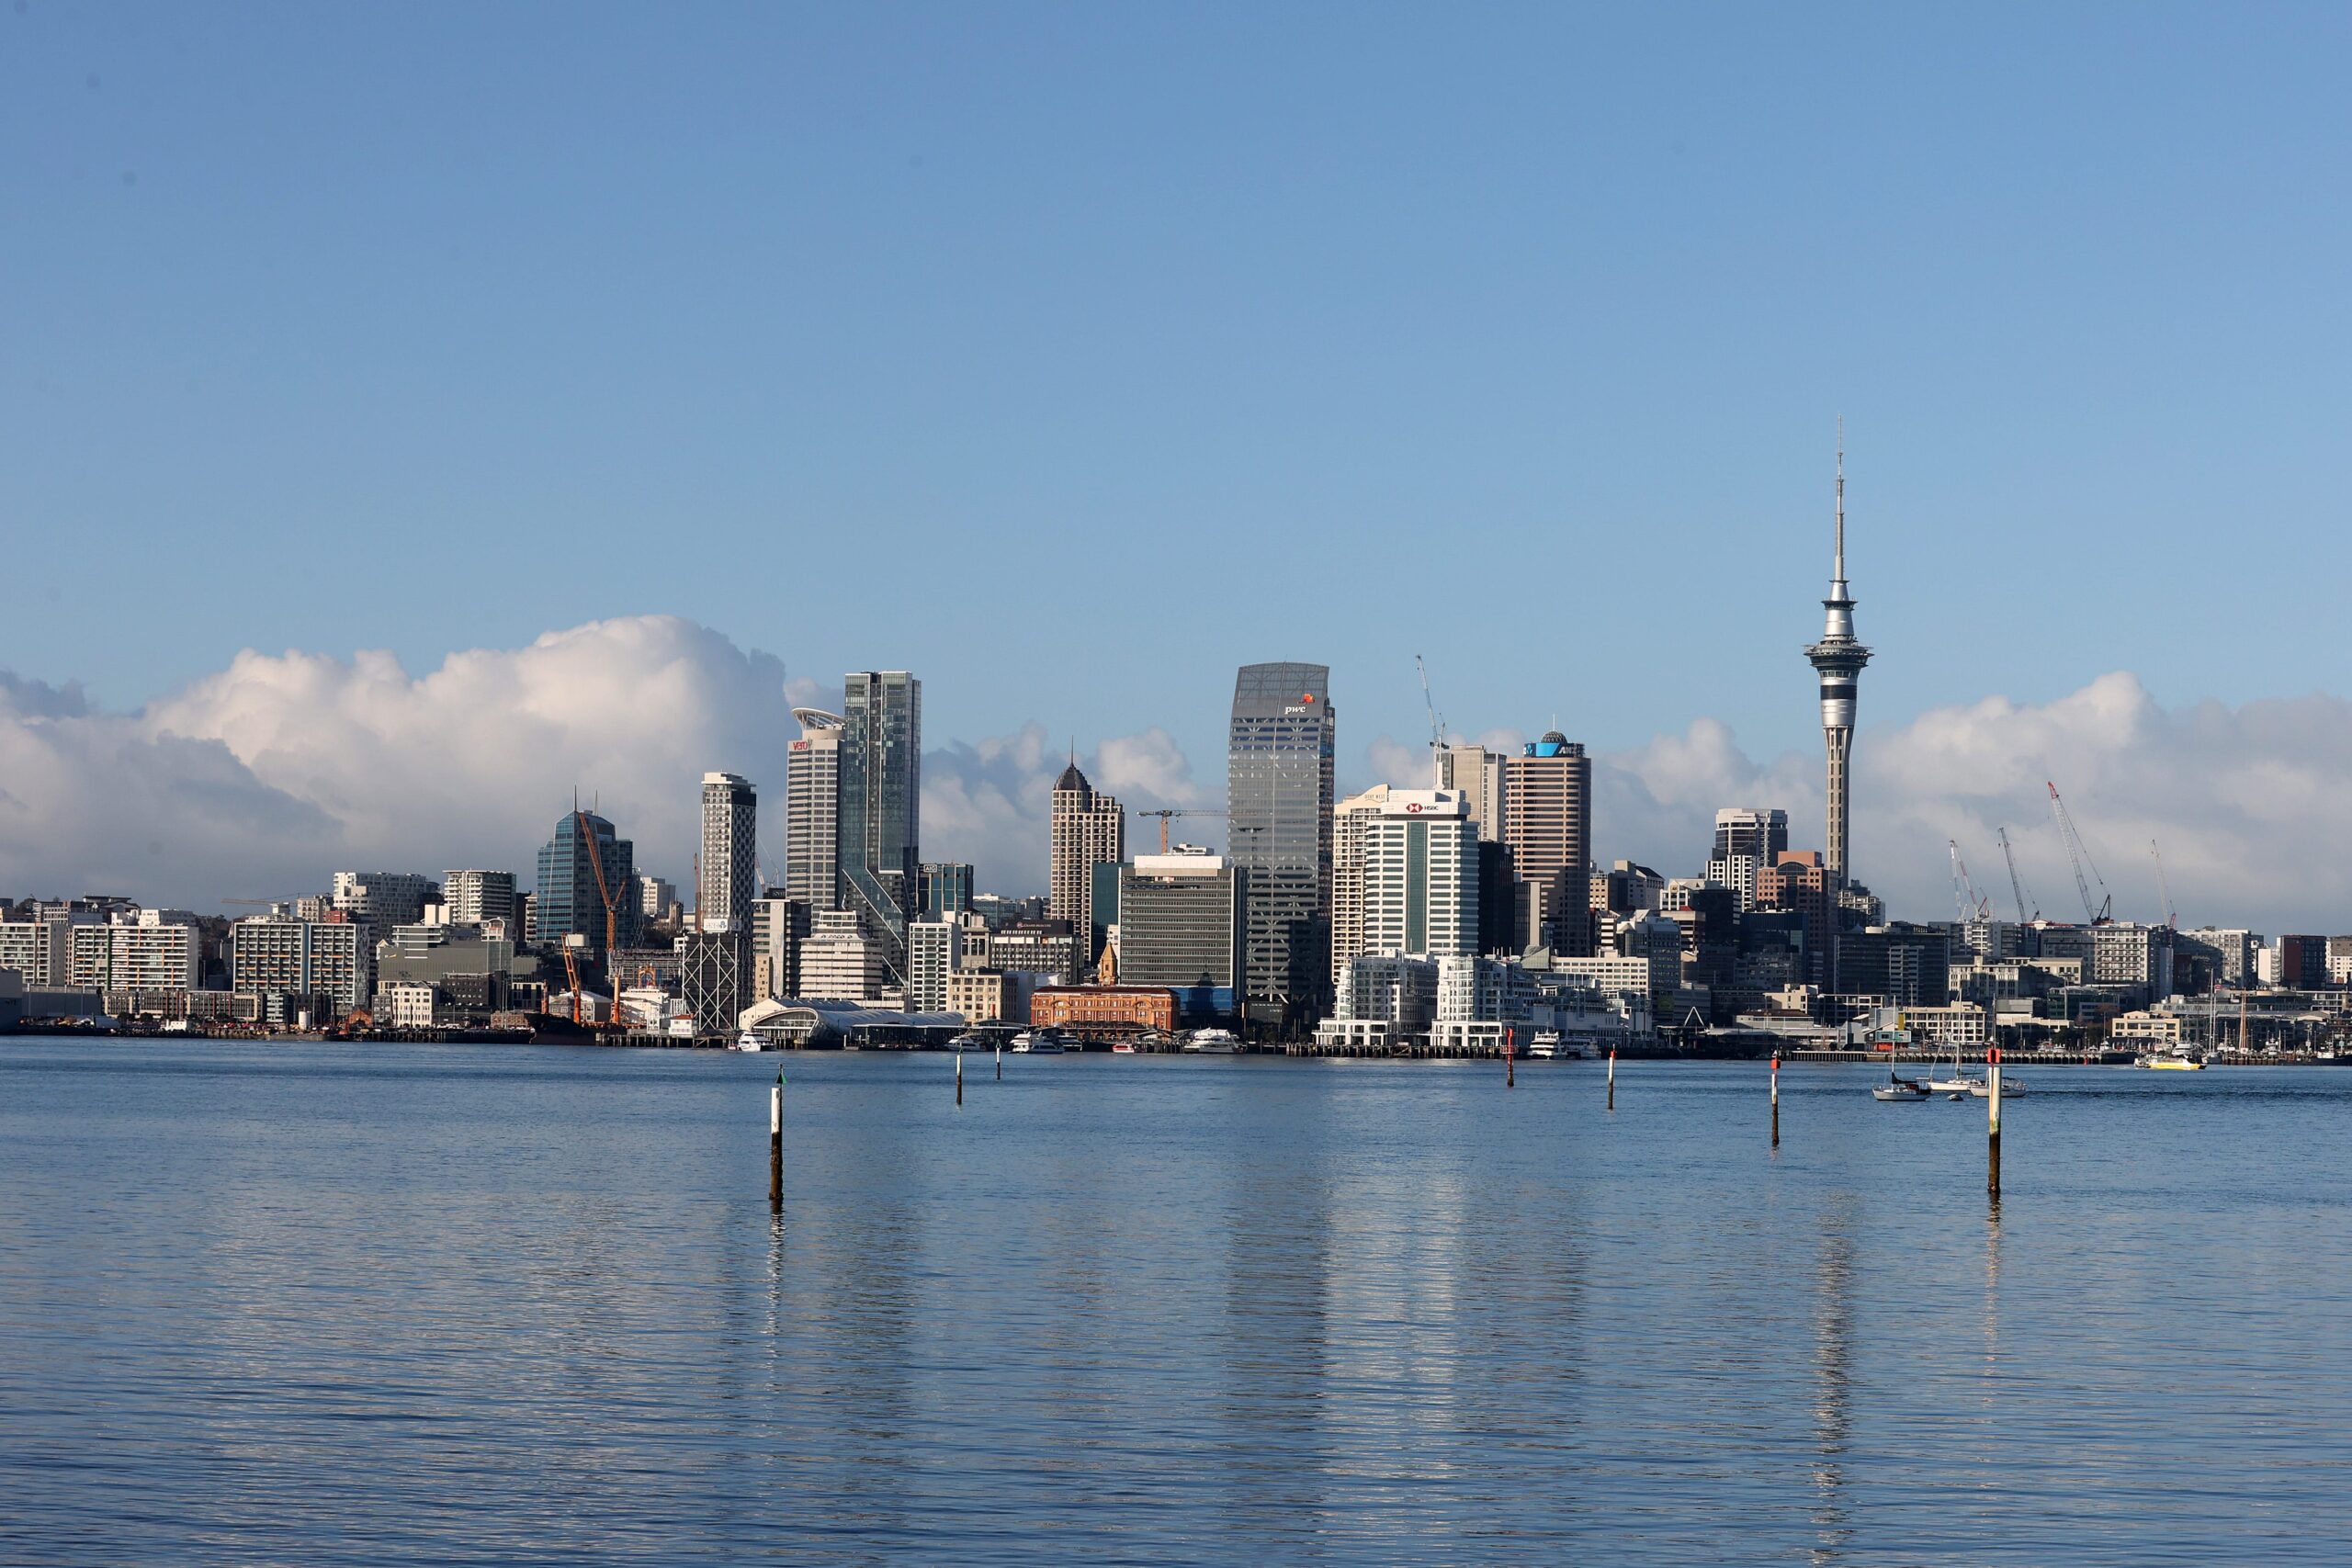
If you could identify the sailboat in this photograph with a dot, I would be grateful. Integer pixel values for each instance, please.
(1959, 1083)
(1896, 1088)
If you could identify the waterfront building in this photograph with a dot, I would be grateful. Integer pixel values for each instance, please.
(935, 951)
(1104, 1012)
(1837, 659)
(37, 951)
(1088, 830)
(1748, 839)
(1421, 876)
(1278, 784)
(1181, 919)
(154, 957)
(982, 995)
(382, 899)
(328, 960)
(478, 897)
(407, 1004)
(715, 978)
(1478, 774)
(839, 962)
(812, 810)
(89, 955)
(947, 889)
(1351, 821)
(584, 862)
(881, 795)
(1381, 1001)
(1547, 810)
(727, 875)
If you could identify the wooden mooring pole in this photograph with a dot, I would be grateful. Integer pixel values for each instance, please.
(1993, 1124)
(1510, 1072)
(1776, 1099)
(1613, 1078)
(959, 1078)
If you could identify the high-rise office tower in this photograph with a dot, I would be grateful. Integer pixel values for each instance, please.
(813, 811)
(947, 889)
(1278, 789)
(583, 866)
(1421, 876)
(382, 900)
(1089, 829)
(1478, 773)
(1547, 810)
(729, 878)
(1746, 841)
(881, 793)
(1839, 659)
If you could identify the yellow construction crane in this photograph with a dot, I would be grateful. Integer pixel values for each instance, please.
(1165, 815)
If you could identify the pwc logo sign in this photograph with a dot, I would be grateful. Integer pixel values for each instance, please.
(1306, 698)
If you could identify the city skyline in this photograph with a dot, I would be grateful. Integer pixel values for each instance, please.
(2127, 767)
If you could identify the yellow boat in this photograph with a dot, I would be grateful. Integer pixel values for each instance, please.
(2170, 1064)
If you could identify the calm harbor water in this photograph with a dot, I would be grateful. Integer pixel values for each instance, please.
(332, 1303)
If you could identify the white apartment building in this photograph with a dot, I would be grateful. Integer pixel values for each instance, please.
(476, 897)
(271, 954)
(935, 948)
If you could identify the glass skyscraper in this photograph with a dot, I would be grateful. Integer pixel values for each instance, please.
(881, 791)
(568, 901)
(1278, 799)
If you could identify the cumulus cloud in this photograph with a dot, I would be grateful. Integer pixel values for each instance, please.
(263, 779)
(2240, 800)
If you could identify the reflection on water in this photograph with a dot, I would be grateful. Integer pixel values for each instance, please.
(335, 1304)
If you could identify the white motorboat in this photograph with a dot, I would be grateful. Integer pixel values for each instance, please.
(967, 1042)
(1544, 1046)
(1039, 1043)
(1213, 1043)
(747, 1041)
(2010, 1087)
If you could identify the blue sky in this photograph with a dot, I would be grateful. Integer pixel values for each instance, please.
(1072, 356)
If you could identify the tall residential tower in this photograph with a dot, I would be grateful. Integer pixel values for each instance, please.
(1839, 659)
(728, 879)
(881, 807)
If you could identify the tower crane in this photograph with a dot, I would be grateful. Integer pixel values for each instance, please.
(2163, 886)
(2103, 911)
(1165, 815)
(1437, 725)
(596, 863)
(1972, 905)
(2015, 886)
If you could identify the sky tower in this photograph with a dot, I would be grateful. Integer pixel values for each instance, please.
(1839, 659)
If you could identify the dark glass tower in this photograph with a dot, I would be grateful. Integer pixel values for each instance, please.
(570, 901)
(1278, 798)
(881, 791)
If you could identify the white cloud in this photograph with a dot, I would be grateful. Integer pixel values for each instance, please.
(262, 780)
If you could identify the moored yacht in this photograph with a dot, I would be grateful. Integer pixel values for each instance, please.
(1213, 1043)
